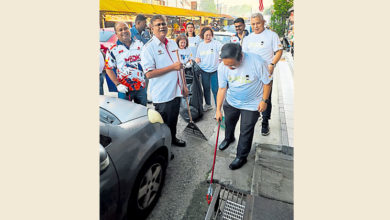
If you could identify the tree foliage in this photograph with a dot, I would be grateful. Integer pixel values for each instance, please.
(279, 15)
(239, 10)
(208, 5)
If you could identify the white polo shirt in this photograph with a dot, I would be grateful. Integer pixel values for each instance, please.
(157, 55)
(209, 55)
(127, 62)
(263, 44)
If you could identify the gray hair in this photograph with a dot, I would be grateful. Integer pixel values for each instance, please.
(257, 15)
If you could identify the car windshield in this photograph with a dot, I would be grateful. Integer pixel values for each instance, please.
(105, 35)
(222, 38)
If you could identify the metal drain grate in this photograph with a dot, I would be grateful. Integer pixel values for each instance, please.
(233, 211)
(227, 204)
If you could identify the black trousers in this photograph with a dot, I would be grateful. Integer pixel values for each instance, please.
(247, 127)
(169, 111)
(267, 113)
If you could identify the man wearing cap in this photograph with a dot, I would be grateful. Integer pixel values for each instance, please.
(246, 96)
(125, 57)
(162, 68)
(265, 43)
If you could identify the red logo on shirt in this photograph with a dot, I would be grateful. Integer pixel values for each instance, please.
(121, 51)
(132, 58)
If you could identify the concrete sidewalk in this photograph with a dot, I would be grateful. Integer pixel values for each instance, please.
(268, 173)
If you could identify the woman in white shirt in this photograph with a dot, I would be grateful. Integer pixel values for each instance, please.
(193, 39)
(207, 57)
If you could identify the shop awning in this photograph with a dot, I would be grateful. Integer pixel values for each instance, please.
(123, 6)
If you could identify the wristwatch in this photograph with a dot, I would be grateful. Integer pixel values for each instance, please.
(272, 64)
(265, 100)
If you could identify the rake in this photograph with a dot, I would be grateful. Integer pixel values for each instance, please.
(191, 128)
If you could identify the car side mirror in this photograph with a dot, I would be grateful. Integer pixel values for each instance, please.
(104, 159)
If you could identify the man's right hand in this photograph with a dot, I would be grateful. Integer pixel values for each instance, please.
(122, 88)
(177, 65)
(197, 60)
(218, 115)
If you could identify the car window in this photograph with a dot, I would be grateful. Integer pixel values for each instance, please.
(105, 35)
(223, 39)
(107, 117)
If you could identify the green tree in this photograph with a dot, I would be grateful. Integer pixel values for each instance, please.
(208, 5)
(239, 10)
(280, 15)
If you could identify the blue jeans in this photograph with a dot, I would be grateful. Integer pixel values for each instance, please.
(138, 96)
(208, 78)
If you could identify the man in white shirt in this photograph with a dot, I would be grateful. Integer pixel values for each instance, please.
(246, 96)
(265, 43)
(162, 68)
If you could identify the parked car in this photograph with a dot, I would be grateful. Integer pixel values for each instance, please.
(223, 37)
(107, 37)
(135, 148)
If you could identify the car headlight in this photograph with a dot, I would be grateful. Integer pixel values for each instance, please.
(154, 116)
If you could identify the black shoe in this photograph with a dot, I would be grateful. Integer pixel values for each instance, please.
(225, 144)
(265, 128)
(237, 163)
(178, 142)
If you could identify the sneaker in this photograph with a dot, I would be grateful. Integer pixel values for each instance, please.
(265, 129)
(207, 107)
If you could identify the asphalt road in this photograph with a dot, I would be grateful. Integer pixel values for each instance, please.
(185, 189)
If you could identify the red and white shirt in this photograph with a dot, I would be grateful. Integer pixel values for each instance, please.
(127, 62)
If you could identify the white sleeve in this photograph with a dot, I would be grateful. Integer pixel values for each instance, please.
(147, 59)
(276, 45)
(265, 77)
(222, 80)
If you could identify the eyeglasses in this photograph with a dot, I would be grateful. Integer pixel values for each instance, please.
(160, 24)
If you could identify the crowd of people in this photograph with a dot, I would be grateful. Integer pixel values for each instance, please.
(239, 73)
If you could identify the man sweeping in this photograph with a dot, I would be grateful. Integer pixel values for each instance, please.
(245, 81)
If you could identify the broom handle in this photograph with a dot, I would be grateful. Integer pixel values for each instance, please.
(182, 75)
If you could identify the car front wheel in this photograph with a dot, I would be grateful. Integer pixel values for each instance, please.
(147, 188)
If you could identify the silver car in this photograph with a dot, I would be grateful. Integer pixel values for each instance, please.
(135, 148)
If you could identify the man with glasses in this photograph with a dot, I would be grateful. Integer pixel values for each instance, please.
(265, 43)
(239, 24)
(246, 96)
(162, 68)
(125, 57)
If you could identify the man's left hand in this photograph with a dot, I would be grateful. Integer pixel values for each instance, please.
(262, 106)
(271, 69)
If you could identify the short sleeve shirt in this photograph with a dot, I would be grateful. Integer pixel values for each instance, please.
(185, 55)
(127, 62)
(193, 43)
(263, 44)
(157, 55)
(209, 55)
(245, 89)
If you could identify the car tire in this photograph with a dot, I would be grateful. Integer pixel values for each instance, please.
(144, 193)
